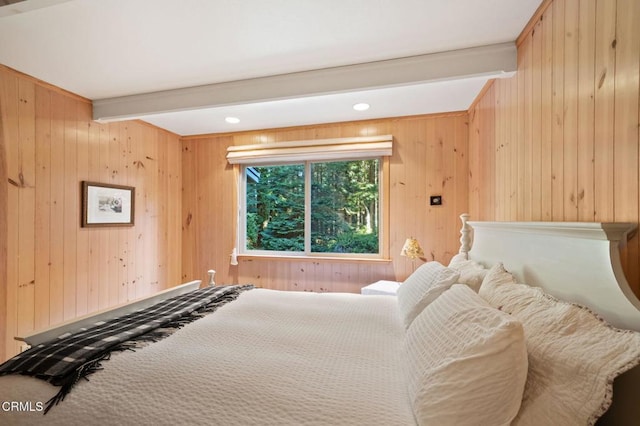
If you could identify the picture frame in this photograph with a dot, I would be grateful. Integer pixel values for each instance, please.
(107, 204)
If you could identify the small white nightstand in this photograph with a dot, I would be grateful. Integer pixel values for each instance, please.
(389, 288)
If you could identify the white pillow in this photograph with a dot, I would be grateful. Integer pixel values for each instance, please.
(471, 272)
(467, 362)
(459, 257)
(497, 275)
(423, 287)
(574, 355)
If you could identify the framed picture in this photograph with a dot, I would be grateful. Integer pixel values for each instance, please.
(107, 205)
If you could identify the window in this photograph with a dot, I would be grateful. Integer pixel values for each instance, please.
(314, 207)
(314, 198)
(275, 208)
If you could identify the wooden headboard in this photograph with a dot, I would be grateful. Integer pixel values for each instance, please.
(574, 261)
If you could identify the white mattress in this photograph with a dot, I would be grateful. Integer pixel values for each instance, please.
(270, 357)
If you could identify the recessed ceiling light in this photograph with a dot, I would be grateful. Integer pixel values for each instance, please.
(232, 120)
(361, 106)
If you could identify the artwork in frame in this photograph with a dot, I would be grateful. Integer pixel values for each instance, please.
(107, 205)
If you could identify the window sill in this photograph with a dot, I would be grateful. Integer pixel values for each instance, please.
(309, 259)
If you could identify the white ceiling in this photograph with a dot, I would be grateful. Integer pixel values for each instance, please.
(111, 49)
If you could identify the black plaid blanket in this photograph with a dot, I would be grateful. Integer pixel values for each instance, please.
(63, 361)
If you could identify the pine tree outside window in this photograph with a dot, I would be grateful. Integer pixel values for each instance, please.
(313, 198)
(343, 203)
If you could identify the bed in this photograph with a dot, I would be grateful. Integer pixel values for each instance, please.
(454, 347)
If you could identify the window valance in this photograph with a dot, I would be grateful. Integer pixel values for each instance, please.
(319, 149)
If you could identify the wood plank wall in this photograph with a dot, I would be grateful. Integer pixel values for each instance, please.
(430, 158)
(560, 140)
(3, 240)
(56, 269)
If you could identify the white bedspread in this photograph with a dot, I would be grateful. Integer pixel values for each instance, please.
(270, 357)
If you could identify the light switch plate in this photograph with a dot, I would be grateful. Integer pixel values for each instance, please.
(435, 200)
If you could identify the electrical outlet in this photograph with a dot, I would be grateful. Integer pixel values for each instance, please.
(24, 347)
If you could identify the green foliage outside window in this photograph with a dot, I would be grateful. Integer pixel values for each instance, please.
(344, 207)
(275, 209)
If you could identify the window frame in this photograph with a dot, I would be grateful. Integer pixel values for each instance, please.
(383, 200)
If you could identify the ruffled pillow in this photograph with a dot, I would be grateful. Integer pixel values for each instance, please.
(471, 272)
(574, 355)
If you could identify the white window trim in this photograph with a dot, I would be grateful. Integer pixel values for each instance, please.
(242, 208)
(319, 150)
